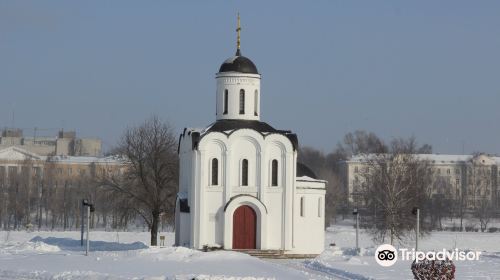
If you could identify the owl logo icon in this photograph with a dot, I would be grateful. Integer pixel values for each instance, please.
(386, 255)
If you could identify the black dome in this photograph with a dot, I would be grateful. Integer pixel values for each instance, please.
(240, 64)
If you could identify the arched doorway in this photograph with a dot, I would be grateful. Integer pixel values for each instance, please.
(244, 228)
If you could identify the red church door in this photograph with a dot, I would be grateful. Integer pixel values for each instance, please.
(244, 228)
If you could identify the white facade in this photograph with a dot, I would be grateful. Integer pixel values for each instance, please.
(238, 186)
(232, 84)
(476, 177)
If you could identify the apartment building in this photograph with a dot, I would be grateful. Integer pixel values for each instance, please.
(65, 143)
(18, 163)
(476, 177)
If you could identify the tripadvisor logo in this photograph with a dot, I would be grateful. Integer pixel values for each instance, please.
(387, 255)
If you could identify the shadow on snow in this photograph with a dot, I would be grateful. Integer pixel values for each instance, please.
(69, 244)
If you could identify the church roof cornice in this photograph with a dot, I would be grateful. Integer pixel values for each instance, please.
(228, 127)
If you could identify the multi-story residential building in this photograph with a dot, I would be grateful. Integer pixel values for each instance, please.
(64, 144)
(473, 178)
(15, 161)
(35, 187)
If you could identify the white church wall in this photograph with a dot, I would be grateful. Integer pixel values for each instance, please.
(309, 222)
(184, 170)
(213, 148)
(178, 231)
(249, 149)
(184, 228)
(233, 83)
(259, 152)
(213, 218)
(275, 150)
(274, 204)
(277, 147)
(183, 220)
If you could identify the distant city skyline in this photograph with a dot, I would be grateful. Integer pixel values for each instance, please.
(429, 69)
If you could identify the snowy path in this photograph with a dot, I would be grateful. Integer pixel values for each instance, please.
(488, 268)
(319, 272)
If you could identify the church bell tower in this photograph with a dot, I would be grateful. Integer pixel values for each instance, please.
(238, 87)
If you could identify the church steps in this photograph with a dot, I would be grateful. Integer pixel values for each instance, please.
(274, 254)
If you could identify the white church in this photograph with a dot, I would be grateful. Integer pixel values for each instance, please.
(240, 184)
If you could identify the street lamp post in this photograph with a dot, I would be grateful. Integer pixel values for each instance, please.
(82, 215)
(416, 211)
(90, 208)
(355, 212)
(88, 227)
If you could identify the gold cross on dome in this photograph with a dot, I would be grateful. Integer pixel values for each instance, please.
(238, 30)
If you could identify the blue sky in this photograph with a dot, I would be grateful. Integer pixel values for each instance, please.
(398, 68)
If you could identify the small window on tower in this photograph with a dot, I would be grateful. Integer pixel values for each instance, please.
(226, 97)
(244, 172)
(242, 101)
(256, 102)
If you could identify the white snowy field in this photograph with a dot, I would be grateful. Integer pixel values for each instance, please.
(125, 255)
(340, 258)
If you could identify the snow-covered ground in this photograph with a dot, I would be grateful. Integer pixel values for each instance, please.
(124, 255)
(58, 255)
(341, 257)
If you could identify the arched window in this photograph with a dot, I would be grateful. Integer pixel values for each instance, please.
(242, 101)
(226, 98)
(215, 172)
(244, 172)
(302, 206)
(274, 173)
(256, 102)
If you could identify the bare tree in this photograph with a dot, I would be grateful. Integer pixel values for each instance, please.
(484, 212)
(313, 158)
(151, 180)
(439, 202)
(335, 197)
(327, 166)
(395, 183)
(360, 142)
